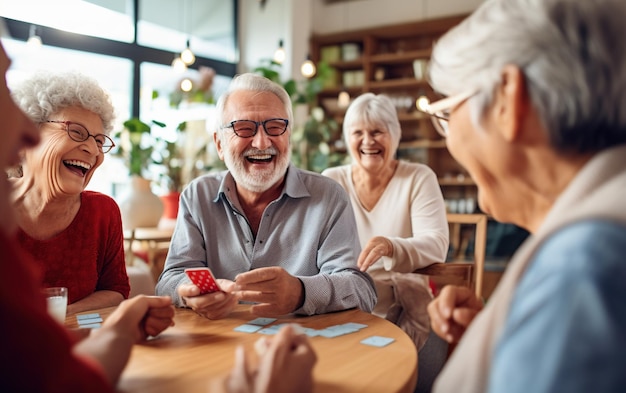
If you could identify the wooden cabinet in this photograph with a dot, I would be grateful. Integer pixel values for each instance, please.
(391, 60)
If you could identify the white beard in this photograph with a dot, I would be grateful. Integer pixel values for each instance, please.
(257, 181)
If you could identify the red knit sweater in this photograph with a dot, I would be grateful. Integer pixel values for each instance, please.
(88, 255)
(36, 353)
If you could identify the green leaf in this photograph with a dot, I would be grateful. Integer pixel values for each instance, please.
(134, 125)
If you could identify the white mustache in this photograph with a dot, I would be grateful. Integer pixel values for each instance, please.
(256, 152)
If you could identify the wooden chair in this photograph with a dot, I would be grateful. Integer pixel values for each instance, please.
(457, 271)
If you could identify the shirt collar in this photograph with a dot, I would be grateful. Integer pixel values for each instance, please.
(294, 186)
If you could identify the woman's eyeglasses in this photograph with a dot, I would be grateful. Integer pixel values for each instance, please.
(440, 110)
(77, 132)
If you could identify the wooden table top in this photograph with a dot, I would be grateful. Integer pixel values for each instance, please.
(149, 234)
(185, 357)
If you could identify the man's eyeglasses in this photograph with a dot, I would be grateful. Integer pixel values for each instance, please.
(248, 128)
(439, 111)
(77, 132)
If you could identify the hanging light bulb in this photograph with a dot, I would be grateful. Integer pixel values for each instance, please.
(280, 55)
(187, 55)
(179, 65)
(186, 85)
(34, 40)
(308, 68)
(422, 103)
(343, 100)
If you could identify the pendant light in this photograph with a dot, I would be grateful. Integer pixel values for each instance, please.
(34, 40)
(422, 103)
(280, 55)
(179, 65)
(343, 99)
(186, 85)
(187, 55)
(308, 69)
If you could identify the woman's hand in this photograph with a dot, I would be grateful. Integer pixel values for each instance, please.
(285, 365)
(452, 311)
(375, 249)
(142, 316)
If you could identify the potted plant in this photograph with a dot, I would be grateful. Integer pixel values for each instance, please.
(136, 145)
(170, 157)
(139, 206)
(310, 149)
(179, 161)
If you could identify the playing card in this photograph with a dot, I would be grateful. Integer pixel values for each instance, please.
(203, 279)
(377, 341)
(247, 328)
(262, 321)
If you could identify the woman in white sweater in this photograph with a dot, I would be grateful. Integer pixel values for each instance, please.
(400, 214)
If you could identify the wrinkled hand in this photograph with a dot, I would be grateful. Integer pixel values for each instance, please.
(452, 311)
(285, 365)
(376, 248)
(142, 316)
(276, 291)
(214, 305)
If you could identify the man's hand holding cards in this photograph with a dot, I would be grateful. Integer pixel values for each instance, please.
(206, 296)
(203, 278)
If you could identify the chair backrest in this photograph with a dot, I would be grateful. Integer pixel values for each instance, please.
(459, 271)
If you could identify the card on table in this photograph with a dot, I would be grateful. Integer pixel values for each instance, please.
(270, 330)
(92, 320)
(247, 328)
(262, 321)
(80, 317)
(90, 326)
(354, 325)
(89, 321)
(377, 341)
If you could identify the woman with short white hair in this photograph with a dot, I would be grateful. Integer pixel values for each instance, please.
(536, 112)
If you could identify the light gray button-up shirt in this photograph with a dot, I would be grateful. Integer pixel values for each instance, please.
(310, 231)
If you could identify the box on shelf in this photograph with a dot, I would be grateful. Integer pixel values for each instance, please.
(330, 54)
(353, 78)
(419, 68)
(350, 51)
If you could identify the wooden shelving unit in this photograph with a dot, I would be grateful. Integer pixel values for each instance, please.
(389, 60)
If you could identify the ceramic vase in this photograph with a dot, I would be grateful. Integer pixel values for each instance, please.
(139, 206)
(170, 204)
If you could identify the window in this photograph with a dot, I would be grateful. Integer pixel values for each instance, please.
(209, 25)
(102, 45)
(81, 17)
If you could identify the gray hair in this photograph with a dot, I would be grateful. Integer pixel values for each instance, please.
(46, 93)
(376, 111)
(572, 56)
(252, 82)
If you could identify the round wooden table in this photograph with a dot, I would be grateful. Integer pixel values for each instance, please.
(186, 357)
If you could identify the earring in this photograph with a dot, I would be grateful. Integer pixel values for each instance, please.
(15, 172)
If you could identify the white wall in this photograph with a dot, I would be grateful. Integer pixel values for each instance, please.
(354, 15)
(295, 20)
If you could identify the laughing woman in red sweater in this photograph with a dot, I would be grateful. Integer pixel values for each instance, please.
(75, 235)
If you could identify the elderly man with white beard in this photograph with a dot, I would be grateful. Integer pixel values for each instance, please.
(275, 236)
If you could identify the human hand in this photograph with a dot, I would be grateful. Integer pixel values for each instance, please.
(376, 248)
(452, 311)
(142, 316)
(285, 364)
(276, 291)
(213, 305)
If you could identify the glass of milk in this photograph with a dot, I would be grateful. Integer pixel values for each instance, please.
(57, 302)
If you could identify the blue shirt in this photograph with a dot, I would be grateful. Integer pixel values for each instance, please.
(566, 329)
(309, 230)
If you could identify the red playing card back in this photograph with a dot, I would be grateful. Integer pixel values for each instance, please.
(203, 279)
